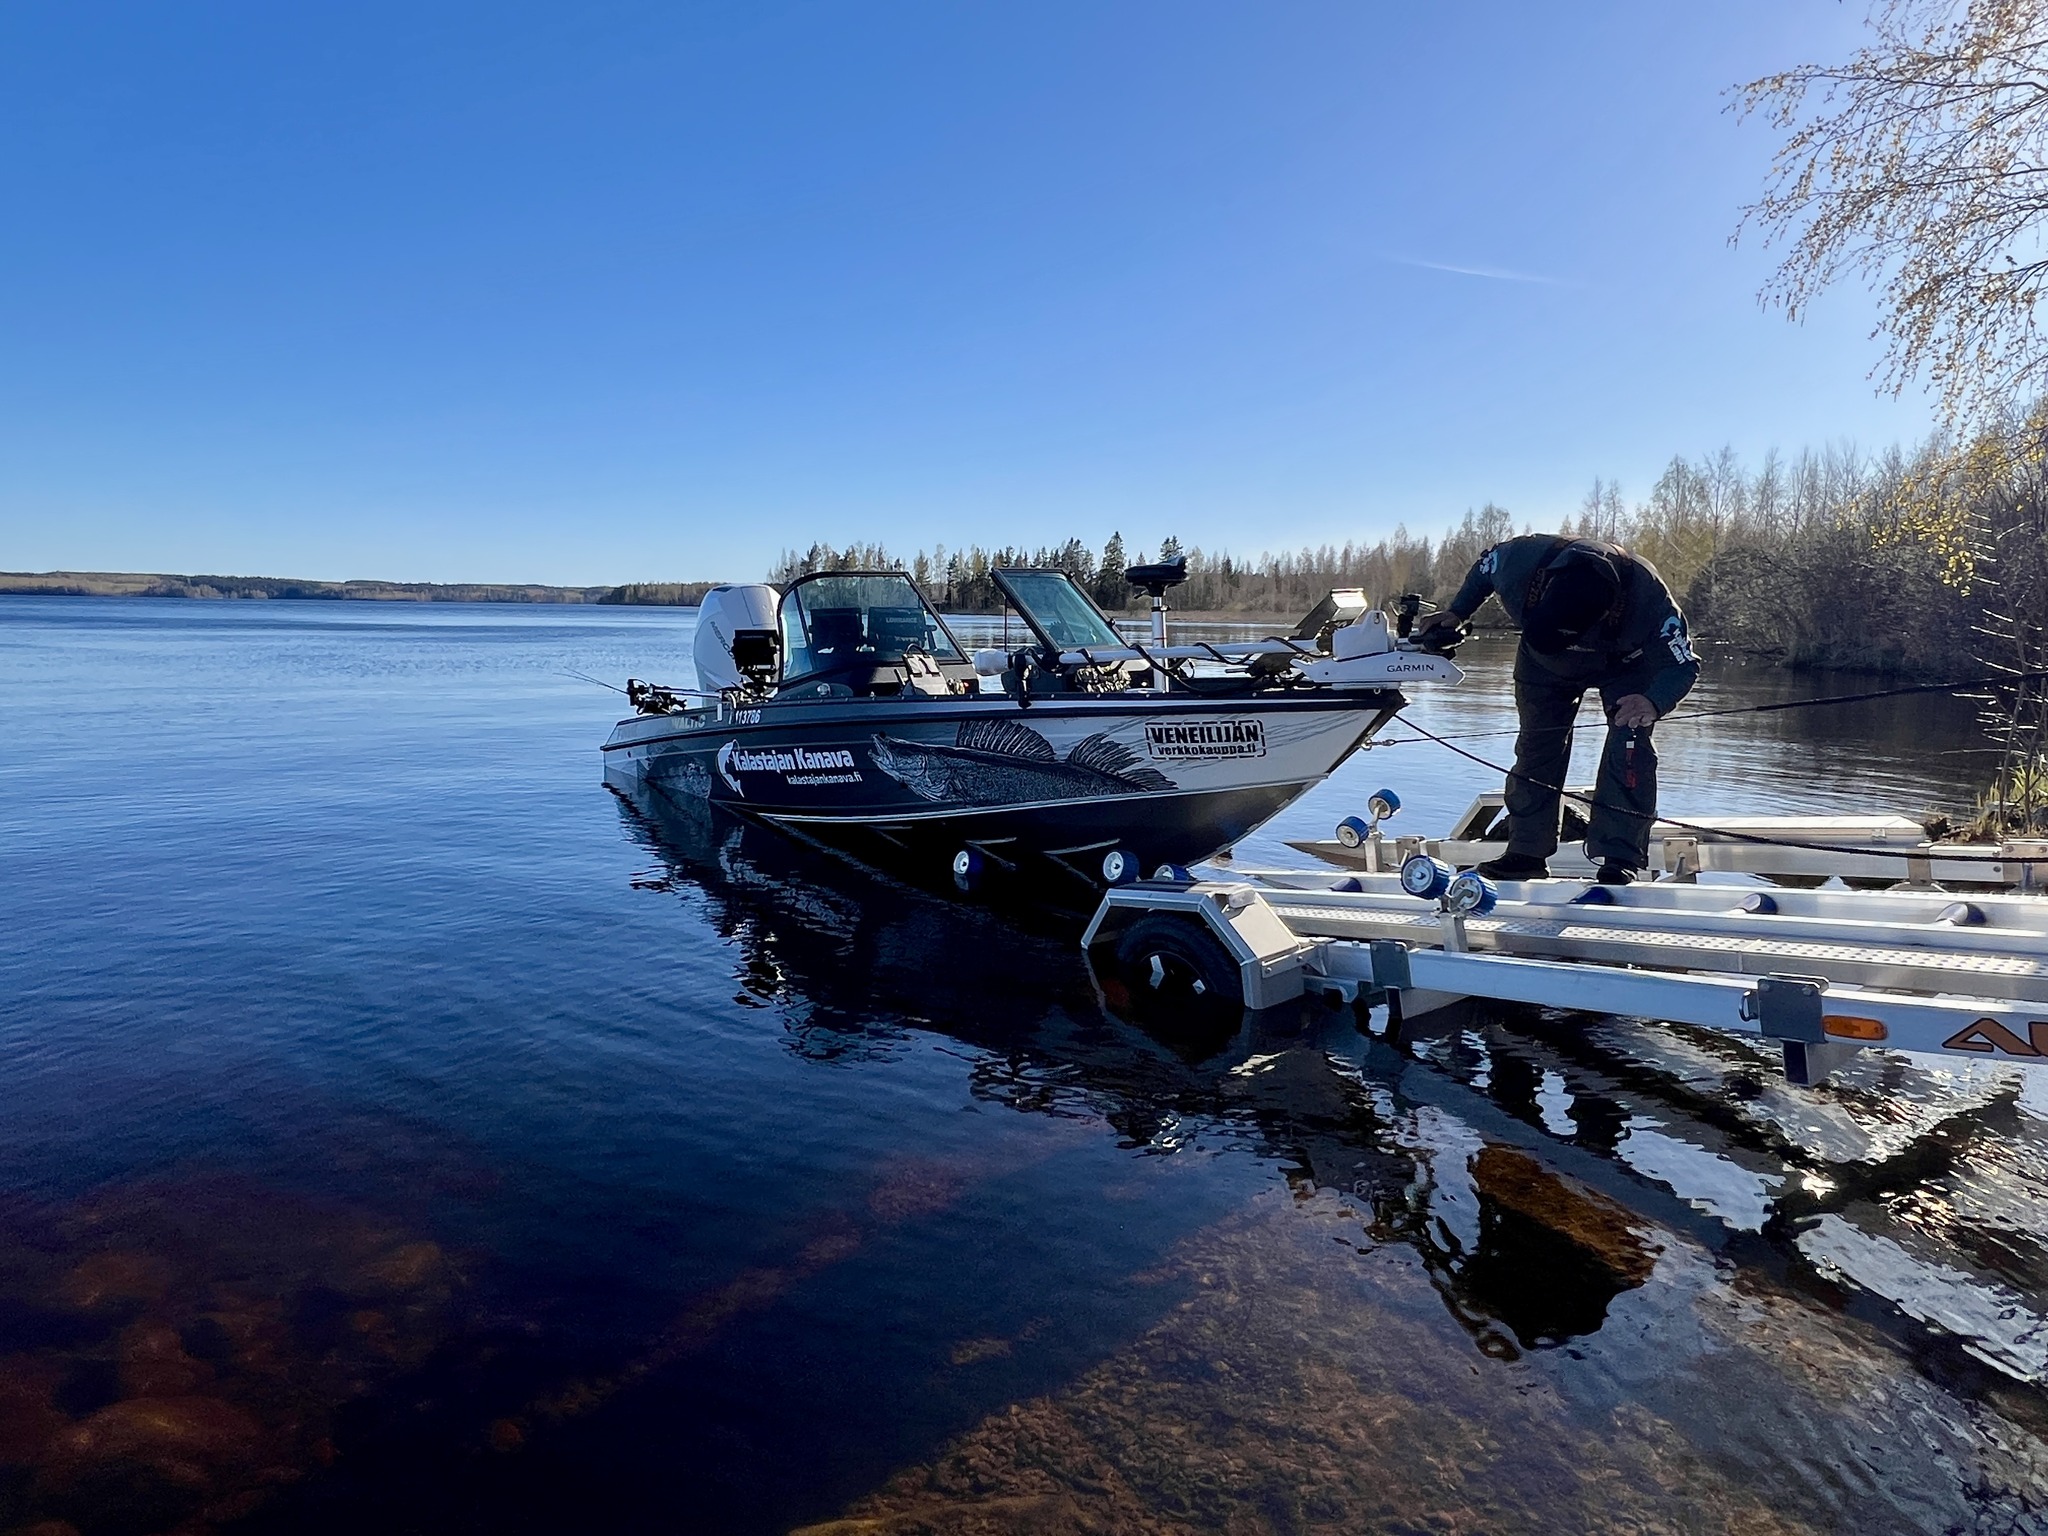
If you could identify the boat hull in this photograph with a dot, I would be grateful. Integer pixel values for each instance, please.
(1173, 780)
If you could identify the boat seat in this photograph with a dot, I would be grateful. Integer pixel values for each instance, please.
(836, 633)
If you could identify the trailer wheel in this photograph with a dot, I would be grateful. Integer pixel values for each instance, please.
(1171, 956)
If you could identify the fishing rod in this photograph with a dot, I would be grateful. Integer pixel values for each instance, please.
(651, 698)
(585, 677)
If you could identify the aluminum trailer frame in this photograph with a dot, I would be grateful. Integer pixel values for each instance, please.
(1823, 972)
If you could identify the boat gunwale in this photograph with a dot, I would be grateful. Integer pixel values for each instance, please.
(1007, 708)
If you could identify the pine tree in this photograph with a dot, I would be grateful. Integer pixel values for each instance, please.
(1111, 590)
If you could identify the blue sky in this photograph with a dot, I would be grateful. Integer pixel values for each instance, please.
(613, 291)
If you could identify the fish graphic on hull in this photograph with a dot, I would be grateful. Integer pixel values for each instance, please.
(999, 762)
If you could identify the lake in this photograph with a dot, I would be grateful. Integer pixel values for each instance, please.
(399, 1132)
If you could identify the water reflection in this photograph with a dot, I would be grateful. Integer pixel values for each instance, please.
(1496, 1258)
(1526, 1256)
(1538, 1175)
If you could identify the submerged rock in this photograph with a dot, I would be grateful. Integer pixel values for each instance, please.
(154, 1363)
(173, 1352)
(183, 1437)
(1608, 1231)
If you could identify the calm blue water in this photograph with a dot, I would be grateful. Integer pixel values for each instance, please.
(399, 1132)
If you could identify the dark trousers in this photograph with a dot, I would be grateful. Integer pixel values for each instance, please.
(1547, 704)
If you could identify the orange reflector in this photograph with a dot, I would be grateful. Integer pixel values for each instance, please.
(1850, 1027)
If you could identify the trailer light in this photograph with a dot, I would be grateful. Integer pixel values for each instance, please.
(1849, 1026)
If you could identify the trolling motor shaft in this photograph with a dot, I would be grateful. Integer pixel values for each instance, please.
(1155, 579)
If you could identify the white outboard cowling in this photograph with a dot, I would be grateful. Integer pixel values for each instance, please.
(726, 615)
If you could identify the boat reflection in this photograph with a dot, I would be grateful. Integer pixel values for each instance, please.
(1524, 1255)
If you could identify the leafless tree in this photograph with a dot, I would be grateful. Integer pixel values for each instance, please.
(1920, 164)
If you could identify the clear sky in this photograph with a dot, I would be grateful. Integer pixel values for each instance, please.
(602, 291)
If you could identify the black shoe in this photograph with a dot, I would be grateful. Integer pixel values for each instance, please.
(1515, 866)
(1615, 874)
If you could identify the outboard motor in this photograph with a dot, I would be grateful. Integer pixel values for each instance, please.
(736, 639)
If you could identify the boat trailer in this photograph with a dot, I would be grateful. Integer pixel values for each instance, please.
(1824, 972)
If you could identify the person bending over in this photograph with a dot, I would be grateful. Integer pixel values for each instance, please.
(1592, 615)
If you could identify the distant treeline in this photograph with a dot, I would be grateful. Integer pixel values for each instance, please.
(1922, 562)
(1830, 559)
(1897, 563)
(1288, 583)
(659, 594)
(132, 584)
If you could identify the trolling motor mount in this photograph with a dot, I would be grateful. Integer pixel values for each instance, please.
(1443, 640)
(1407, 609)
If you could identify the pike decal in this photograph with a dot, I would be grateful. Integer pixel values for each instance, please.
(997, 762)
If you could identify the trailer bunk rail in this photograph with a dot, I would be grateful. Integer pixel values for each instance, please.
(1824, 972)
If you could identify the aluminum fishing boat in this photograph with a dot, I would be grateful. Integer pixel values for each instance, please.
(844, 708)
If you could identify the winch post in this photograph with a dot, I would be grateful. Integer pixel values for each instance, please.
(1682, 859)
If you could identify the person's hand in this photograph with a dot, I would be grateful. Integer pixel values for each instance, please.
(1632, 711)
(1443, 618)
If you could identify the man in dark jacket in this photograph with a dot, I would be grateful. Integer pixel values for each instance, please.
(1592, 616)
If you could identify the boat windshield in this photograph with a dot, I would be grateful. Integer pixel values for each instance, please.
(841, 620)
(1057, 610)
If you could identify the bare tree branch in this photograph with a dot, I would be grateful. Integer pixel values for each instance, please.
(1920, 165)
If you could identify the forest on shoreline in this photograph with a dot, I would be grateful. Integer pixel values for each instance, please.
(1908, 564)
(1904, 563)
(156, 584)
